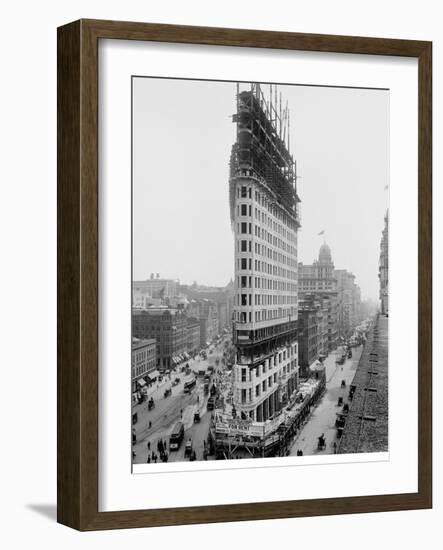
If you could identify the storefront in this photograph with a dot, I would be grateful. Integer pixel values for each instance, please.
(153, 375)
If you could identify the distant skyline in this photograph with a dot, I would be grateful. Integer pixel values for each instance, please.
(183, 134)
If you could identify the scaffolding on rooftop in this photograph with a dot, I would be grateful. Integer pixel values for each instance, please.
(262, 148)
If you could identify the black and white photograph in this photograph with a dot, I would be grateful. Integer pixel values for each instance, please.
(260, 272)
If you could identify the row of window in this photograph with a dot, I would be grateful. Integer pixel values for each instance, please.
(313, 284)
(245, 281)
(245, 245)
(141, 369)
(245, 192)
(263, 387)
(265, 299)
(264, 315)
(245, 228)
(265, 267)
(244, 210)
(274, 361)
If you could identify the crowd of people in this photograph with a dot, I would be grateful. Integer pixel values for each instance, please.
(161, 454)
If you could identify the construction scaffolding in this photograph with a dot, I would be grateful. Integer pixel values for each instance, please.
(262, 146)
(242, 438)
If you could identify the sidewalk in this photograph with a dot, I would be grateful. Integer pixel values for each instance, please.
(322, 419)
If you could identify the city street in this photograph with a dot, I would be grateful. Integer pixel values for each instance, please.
(322, 419)
(177, 406)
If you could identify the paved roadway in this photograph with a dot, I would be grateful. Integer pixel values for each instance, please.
(322, 419)
(178, 406)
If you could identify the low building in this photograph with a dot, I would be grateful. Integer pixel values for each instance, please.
(157, 287)
(169, 328)
(153, 291)
(144, 362)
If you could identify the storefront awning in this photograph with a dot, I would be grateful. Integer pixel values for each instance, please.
(317, 367)
(153, 374)
(141, 382)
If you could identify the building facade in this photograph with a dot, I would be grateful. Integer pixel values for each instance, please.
(206, 311)
(307, 339)
(221, 297)
(193, 338)
(349, 297)
(313, 341)
(319, 276)
(319, 279)
(264, 216)
(384, 268)
(155, 288)
(144, 361)
(168, 327)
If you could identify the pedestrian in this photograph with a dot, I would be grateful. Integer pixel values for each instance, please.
(149, 459)
(149, 445)
(150, 425)
(165, 445)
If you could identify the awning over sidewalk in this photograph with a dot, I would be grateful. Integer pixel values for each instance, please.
(141, 382)
(317, 367)
(154, 374)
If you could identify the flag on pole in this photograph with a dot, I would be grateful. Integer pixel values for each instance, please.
(321, 232)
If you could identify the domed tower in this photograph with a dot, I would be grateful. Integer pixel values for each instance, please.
(325, 264)
(324, 255)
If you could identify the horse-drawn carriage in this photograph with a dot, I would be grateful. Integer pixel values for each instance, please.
(321, 446)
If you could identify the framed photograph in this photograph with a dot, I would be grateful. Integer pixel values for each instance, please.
(244, 275)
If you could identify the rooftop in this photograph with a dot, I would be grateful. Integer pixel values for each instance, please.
(139, 343)
(366, 428)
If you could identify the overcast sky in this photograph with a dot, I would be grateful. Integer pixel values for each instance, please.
(183, 133)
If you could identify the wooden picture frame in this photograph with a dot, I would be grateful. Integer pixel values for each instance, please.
(77, 480)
